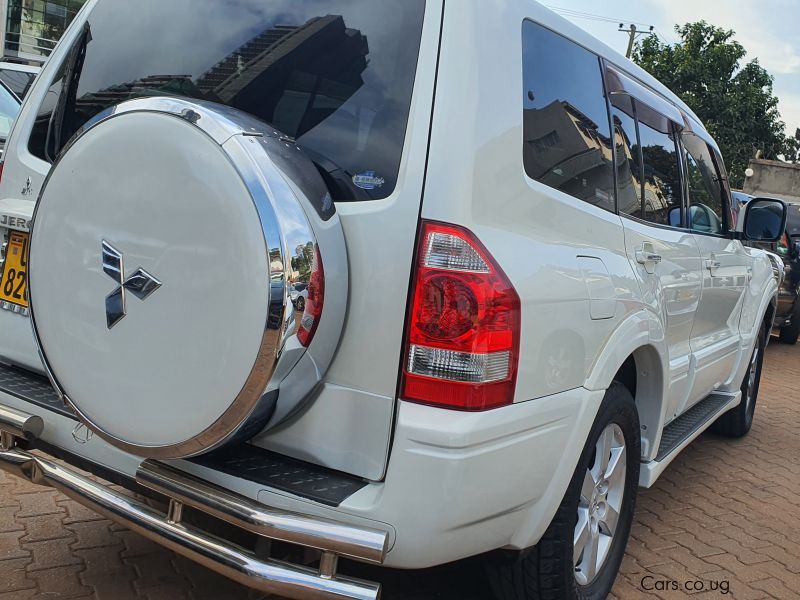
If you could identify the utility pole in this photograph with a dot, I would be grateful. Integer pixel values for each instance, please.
(634, 33)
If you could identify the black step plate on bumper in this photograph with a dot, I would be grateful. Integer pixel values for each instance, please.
(244, 461)
(283, 473)
(33, 388)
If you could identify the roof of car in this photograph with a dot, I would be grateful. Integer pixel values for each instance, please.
(14, 66)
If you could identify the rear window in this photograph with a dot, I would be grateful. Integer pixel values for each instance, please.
(19, 81)
(9, 109)
(336, 75)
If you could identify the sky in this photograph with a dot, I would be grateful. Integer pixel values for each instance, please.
(768, 30)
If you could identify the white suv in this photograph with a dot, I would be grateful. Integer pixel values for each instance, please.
(527, 289)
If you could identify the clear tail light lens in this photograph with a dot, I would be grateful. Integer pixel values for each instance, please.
(463, 333)
(314, 302)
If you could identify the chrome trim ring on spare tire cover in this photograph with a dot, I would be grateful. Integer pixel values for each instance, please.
(165, 238)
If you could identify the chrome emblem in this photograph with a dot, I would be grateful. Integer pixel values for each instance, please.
(82, 434)
(141, 284)
(28, 189)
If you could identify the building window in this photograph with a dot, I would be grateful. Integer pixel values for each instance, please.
(33, 27)
(567, 137)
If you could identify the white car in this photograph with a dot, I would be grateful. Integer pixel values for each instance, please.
(511, 323)
(19, 77)
(298, 294)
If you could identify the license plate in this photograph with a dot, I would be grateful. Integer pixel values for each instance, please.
(15, 272)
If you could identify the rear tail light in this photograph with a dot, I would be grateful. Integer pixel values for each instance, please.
(314, 302)
(2, 166)
(463, 325)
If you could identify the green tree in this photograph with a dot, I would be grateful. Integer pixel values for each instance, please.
(735, 100)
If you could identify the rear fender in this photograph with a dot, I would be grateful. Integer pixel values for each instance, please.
(642, 336)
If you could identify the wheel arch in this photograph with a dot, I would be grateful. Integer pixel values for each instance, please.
(635, 356)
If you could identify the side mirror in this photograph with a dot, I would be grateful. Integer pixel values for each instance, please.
(764, 220)
(675, 216)
(796, 250)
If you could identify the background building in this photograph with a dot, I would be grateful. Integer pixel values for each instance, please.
(29, 29)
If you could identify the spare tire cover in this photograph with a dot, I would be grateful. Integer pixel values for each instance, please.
(158, 280)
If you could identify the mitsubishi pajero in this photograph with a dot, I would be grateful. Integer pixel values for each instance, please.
(526, 288)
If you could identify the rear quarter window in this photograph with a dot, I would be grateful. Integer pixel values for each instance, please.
(567, 142)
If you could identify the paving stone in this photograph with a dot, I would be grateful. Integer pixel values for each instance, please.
(60, 582)
(13, 577)
(51, 554)
(45, 527)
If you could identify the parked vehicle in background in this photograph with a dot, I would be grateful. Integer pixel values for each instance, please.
(9, 109)
(19, 77)
(298, 295)
(787, 316)
(525, 293)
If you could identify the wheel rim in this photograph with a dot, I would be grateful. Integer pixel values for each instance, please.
(752, 376)
(600, 505)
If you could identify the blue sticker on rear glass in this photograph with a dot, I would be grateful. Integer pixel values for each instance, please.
(368, 180)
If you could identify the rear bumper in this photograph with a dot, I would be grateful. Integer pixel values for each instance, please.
(458, 484)
(462, 484)
(334, 539)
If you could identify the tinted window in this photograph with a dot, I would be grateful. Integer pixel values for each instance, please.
(19, 81)
(41, 143)
(336, 75)
(706, 208)
(661, 168)
(9, 109)
(629, 166)
(567, 139)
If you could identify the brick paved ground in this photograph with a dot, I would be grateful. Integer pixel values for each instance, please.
(725, 511)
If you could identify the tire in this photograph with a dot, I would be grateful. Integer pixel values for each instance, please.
(791, 333)
(550, 570)
(300, 304)
(737, 422)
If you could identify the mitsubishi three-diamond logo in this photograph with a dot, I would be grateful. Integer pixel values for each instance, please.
(141, 284)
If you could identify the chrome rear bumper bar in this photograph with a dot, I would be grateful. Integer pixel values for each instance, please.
(266, 575)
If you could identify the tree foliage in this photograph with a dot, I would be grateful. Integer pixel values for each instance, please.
(734, 99)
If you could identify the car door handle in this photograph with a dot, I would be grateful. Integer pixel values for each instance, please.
(645, 258)
(712, 264)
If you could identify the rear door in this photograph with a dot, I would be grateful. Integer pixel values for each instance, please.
(664, 255)
(726, 268)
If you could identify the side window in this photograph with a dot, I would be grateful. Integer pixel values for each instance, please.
(706, 207)
(39, 145)
(662, 202)
(567, 138)
(629, 158)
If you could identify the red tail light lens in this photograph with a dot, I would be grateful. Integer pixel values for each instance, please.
(314, 302)
(2, 166)
(464, 325)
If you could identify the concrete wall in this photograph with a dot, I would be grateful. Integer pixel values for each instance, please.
(3, 23)
(774, 179)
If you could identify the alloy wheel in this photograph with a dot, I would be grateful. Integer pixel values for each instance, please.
(600, 504)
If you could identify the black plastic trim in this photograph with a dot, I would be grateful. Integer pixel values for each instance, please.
(279, 472)
(33, 388)
(685, 426)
